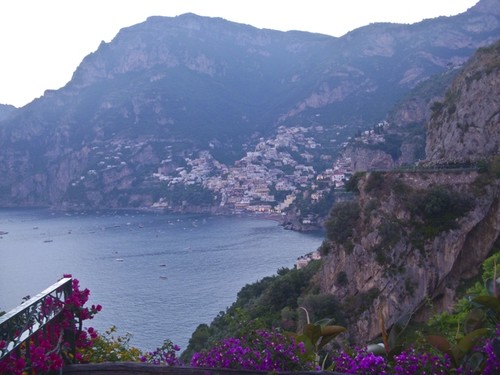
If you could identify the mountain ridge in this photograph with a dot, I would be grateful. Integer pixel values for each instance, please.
(168, 89)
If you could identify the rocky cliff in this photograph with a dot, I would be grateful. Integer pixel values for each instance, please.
(411, 238)
(464, 127)
(416, 237)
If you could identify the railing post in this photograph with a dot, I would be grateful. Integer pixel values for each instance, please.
(69, 333)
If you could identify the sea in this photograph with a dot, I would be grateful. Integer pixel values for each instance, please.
(157, 276)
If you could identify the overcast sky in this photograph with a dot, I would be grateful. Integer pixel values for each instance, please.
(43, 41)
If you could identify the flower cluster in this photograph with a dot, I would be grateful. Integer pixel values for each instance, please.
(413, 362)
(359, 362)
(408, 362)
(263, 350)
(492, 351)
(166, 355)
(48, 349)
(108, 347)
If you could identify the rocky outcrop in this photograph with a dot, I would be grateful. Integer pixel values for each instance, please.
(396, 259)
(365, 159)
(465, 126)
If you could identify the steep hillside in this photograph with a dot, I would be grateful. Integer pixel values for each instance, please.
(411, 238)
(465, 126)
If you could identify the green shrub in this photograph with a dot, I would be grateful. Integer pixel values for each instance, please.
(400, 188)
(108, 347)
(449, 324)
(375, 181)
(437, 208)
(341, 221)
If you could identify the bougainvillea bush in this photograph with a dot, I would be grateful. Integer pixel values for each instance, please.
(360, 361)
(48, 349)
(262, 350)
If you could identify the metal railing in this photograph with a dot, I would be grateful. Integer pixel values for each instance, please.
(20, 325)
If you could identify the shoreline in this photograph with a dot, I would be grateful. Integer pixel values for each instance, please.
(187, 210)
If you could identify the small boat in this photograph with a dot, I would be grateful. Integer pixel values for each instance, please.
(119, 259)
(163, 277)
(46, 241)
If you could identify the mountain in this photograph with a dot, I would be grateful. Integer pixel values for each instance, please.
(6, 110)
(170, 94)
(411, 238)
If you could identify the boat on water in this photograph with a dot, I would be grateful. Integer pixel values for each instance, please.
(119, 259)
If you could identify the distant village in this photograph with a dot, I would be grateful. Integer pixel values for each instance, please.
(254, 182)
(297, 163)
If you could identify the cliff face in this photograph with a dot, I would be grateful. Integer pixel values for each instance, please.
(398, 257)
(412, 237)
(465, 126)
(364, 159)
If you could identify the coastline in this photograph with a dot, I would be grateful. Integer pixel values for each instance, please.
(288, 222)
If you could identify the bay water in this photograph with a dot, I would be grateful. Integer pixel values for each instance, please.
(157, 276)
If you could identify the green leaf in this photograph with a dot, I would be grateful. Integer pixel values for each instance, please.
(313, 332)
(468, 341)
(332, 330)
(328, 333)
(489, 302)
(397, 329)
(440, 343)
(457, 354)
(473, 321)
(324, 322)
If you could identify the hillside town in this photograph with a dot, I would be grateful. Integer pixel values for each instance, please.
(268, 178)
(296, 169)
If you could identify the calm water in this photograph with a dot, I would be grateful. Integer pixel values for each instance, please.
(157, 276)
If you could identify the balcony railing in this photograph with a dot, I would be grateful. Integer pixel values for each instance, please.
(32, 317)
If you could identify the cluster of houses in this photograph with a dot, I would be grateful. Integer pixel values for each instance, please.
(304, 260)
(268, 178)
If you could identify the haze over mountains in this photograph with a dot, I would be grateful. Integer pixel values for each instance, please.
(141, 108)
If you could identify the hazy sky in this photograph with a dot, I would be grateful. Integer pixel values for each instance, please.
(43, 41)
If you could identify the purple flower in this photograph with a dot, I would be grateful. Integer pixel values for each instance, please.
(263, 350)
